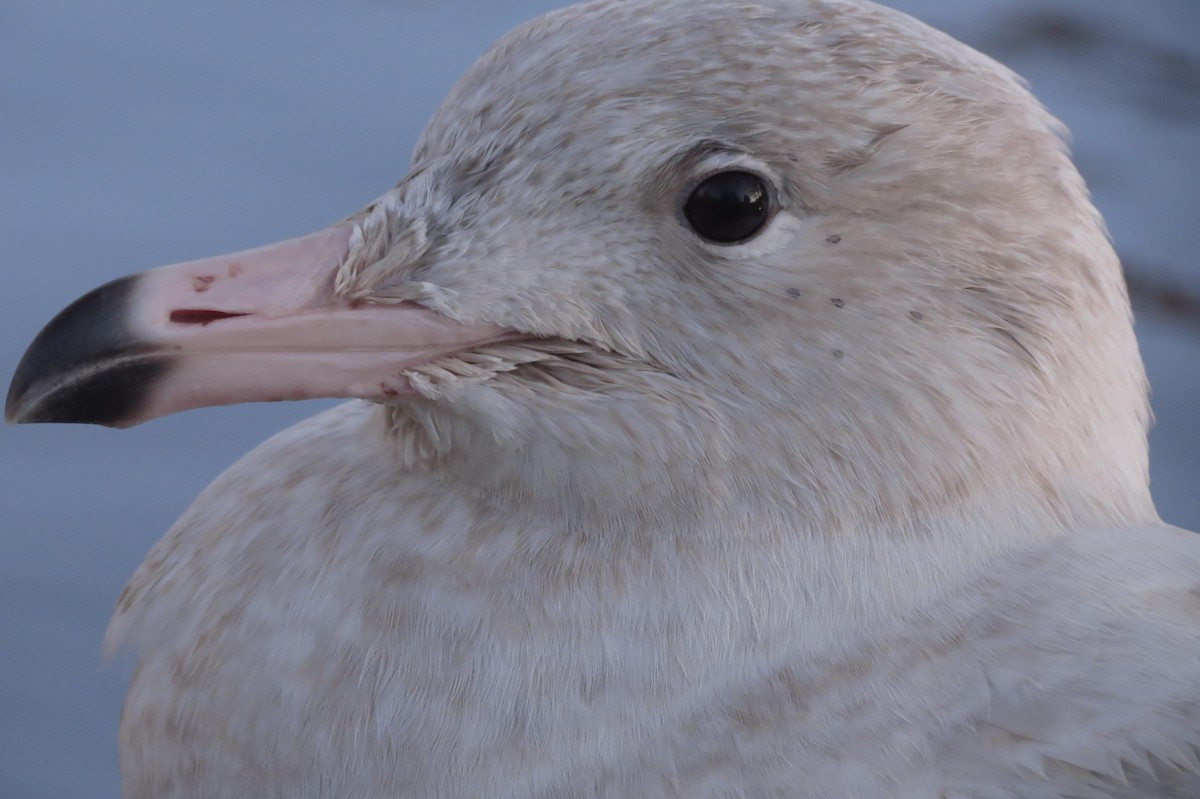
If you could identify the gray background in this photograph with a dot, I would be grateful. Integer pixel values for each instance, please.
(140, 132)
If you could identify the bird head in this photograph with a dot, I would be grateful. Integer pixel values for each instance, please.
(808, 252)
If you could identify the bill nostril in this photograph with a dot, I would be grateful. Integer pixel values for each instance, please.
(201, 316)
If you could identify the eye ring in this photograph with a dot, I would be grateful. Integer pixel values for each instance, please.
(729, 207)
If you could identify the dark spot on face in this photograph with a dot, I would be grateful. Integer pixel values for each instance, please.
(201, 283)
(388, 391)
(838, 354)
(793, 293)
(838, 302)
(834, 239)
(916, 315)
(234, 269)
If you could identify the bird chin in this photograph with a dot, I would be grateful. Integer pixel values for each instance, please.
(489, 392)
(526, 366)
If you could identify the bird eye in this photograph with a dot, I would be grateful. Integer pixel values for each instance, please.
(728, 207)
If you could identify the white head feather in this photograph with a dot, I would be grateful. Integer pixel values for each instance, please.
(967, 332)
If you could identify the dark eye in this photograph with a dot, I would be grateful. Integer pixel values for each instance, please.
(728, 207)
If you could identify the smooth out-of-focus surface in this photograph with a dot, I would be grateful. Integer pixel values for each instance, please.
(138, 133)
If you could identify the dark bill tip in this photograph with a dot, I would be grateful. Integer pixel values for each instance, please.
(87, 366)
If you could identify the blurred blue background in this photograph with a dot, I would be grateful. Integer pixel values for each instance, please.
(140, 132)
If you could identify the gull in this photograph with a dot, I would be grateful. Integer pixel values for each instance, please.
(744, 402)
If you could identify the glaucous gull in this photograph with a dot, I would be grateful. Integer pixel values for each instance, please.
(748, 405)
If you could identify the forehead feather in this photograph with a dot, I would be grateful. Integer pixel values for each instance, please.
(652, 72)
